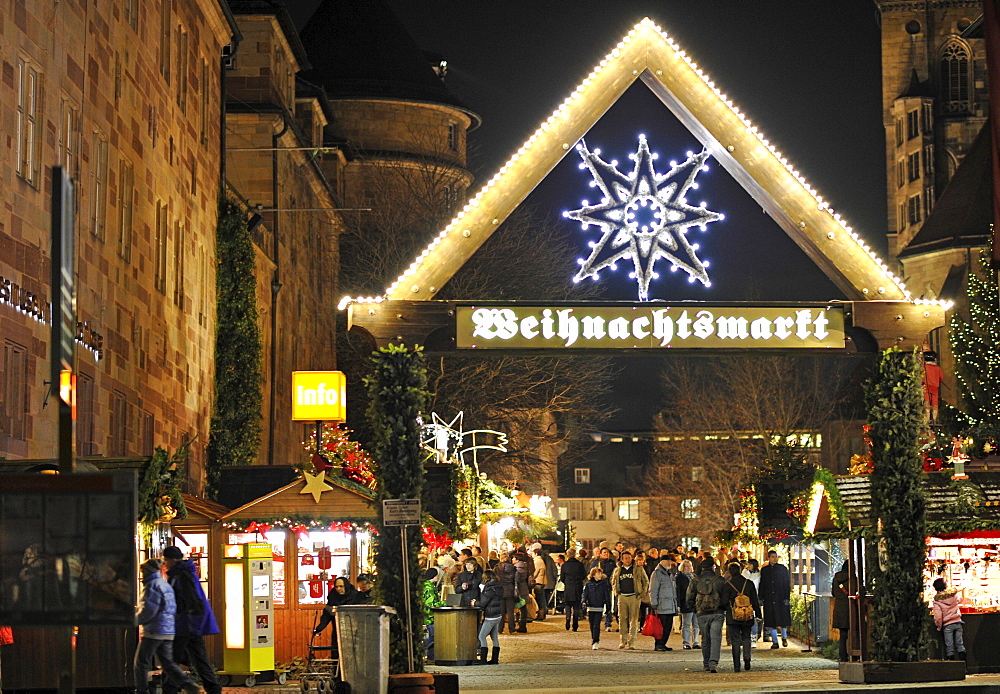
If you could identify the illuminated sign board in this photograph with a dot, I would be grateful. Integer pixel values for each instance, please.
(319, 396)
(650, 326)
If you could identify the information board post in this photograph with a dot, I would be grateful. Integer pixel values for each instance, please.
(402, 513)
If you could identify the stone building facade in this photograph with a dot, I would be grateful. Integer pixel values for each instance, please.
(126, 96)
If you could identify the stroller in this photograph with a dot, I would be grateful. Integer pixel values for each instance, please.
(322, 665)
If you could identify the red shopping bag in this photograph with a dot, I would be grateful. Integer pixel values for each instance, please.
(653, 627)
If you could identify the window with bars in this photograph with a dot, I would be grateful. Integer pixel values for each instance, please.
(99, 185)
(955, 92)
(14, 391)
(581, 475)
(28, 128)
(126, 203)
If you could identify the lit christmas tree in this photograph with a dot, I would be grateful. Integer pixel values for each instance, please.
(976, 345)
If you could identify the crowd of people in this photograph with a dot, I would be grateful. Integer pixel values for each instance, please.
(624, 589)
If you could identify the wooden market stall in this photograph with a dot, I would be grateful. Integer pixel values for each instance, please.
(963, 546)
(319, 528)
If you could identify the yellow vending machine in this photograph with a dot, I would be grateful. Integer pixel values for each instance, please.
(249, 630)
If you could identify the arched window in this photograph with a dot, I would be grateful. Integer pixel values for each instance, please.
(955, 77)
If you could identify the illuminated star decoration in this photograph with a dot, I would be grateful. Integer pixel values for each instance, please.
(315, 485)
(644, 216)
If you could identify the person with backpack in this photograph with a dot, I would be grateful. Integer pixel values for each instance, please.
(742, 610)
(706, 592)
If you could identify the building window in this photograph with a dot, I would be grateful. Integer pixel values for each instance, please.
(160, 249)
(913, 124)
(179, 265)
(99, 187)
(84, 415)
(628, 509)
(131, 13)
(914, 210)
(182, 68)
(453, 137)
(586, 509)
(928, 200)
(901, 173)
(126, 193)
(928, 117)
(28, 136)
(929, 161)
(14, 392)
(690, 508)
(690, 541)
(913, 166)
(146, 433)
(69, 137)
(697, 473)
(203, 85)
(955, 77)
(165, 26)
(899, 132)
(119, 425)
(901, 216)
(581, 475)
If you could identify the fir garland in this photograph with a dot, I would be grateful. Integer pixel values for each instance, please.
(838, 512)
(340, 523)
(397, 391)
(159, 494)
(464, 521)
(235, 433)
(894, 401)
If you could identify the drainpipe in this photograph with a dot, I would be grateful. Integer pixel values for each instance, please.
(275, 285)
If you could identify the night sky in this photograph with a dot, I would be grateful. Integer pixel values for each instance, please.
(807, 73)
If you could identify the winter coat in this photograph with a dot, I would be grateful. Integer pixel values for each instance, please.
(641, 581)
(733, 588)
(551, 572)
(946, 610)
(472, 592)
(683, 581)
(607, 565)
(706, 578)
(775, 589)
(194, 613)
(573, 576)
(663, 591)
(539, 569)
(490, 599)
(597, 594)
(841, 603)
(753, 576)
(158, 607)
(506, 574)
(523, 590)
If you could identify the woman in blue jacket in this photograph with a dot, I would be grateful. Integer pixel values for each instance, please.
(596, 598)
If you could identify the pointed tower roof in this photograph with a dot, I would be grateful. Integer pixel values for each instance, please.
(917, 88)
(359, 49)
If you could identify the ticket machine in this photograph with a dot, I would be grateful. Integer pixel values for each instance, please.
(249, 630)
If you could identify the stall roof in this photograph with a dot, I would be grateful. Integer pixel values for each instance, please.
(339, 502)
(201, 510)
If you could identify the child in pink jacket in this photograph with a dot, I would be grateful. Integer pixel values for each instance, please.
(948, 618)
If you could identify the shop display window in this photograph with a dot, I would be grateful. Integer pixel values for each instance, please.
(969, 564)
(322, 557)
(276, 538)
(197, 551)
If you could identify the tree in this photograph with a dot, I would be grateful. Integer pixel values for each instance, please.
(730, 421)
(975, 340)
(894, 399)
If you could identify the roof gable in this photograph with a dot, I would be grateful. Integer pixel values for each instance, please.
(340, 502)
(647, 53)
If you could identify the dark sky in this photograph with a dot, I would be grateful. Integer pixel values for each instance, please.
(807, 72)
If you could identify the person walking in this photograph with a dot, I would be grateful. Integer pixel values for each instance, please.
(551, 575)
(490, 601)
(629, 584)
(706, 593)
(573, 576)
(596, 597)
(193, 622)
(948, 620)
(689, 621)
(775, 594)
(607, 566)
(742, 610)
(663, 600)
(507, 577)
(157, 612)
(843, 585)
(751, 571)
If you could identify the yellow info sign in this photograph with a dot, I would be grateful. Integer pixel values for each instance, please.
(319, 396)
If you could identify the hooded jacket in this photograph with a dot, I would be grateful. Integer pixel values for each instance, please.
(490, 599)
(158, 606)
(946, 610)
(194, 613)
(663, 591)
(507, 575)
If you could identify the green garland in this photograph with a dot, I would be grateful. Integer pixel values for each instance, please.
(397, 391)
(838, 511)
(159, 489)
(894, 401)
(492, 495)
(464, 521)
(235, 431)
(311, 523)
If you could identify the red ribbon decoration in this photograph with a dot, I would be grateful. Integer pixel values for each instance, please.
(252, 527)
(299, 530)
(320, 463)
(263, 528)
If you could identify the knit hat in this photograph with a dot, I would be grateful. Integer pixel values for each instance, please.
(537, 547)
(151, 566)
(172, 552)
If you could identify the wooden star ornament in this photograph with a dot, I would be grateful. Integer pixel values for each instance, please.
(315, 484)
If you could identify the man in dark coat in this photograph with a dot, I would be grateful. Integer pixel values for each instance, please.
(843, 585)
(574, 573)
(775, 592)
(194, 620)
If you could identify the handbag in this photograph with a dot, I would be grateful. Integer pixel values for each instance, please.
(532, 606)
(652, 627)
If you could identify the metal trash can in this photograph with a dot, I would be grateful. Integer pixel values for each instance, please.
(363, 645)
(456, 635)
